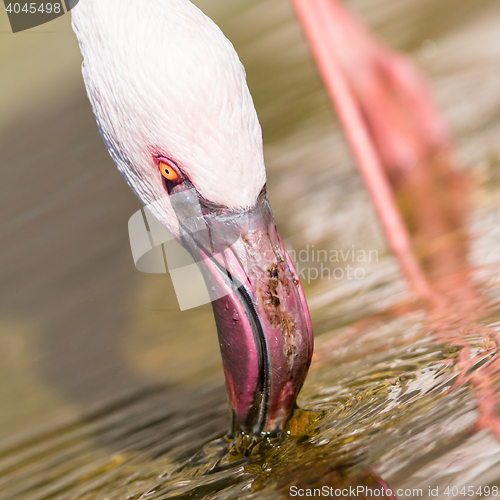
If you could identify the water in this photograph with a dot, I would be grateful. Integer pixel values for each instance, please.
(108, 392)
(380, 403)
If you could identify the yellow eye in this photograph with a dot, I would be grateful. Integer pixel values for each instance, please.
(168, 172)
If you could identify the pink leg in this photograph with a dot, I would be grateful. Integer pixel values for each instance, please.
(385, 107)
(402, 143)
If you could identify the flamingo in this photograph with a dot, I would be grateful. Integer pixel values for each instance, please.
(171, 101)
(172, 104)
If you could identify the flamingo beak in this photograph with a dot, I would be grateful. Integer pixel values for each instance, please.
(262, 318)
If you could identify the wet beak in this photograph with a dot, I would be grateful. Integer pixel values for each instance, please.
(261, 314)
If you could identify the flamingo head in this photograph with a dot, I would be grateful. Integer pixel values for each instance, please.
(171, 100)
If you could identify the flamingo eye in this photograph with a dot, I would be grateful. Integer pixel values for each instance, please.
(168, 172)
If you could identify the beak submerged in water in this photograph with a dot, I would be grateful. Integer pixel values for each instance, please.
(260, 310)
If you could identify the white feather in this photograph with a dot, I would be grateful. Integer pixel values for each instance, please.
(161, 76)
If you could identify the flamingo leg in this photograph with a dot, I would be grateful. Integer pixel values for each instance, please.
(390, 120)
(404, 151)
